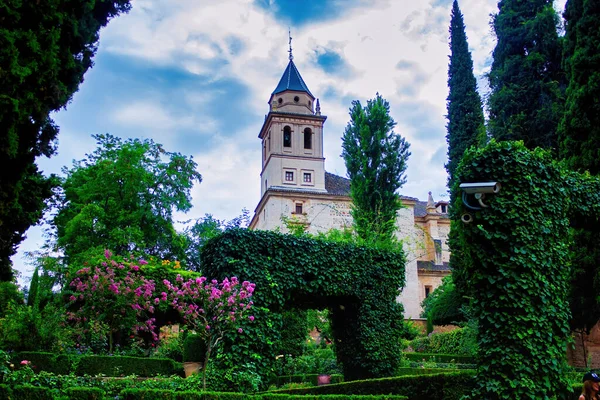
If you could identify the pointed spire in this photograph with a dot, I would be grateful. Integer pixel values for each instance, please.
(290, 50)
(318, 108)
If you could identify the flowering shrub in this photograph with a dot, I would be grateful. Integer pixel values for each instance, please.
(114, 293)
(210, 308)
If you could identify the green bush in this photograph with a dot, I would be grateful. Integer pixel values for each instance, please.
(158, 394)
(9, 293)
(447, 386)
(5, 392)
(170, 347)
(440, 358)
(194, 348)
(124, 366)
(305, 378)
(423, 371)
(84, 393)
(330, 397)
(27, 392)
(459, 341)
(61, 364)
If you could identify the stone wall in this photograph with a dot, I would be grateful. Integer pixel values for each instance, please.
(585, 347)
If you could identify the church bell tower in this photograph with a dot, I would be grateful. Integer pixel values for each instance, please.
(292, 137)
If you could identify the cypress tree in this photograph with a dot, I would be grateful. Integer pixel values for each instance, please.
(33, 288)
(465, 125)
(465, 114)
(579, 130)
(579, 135)
(525, 79)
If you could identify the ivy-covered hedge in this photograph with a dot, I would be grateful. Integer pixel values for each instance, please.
(93, 365)
(440, 358)
(84, 393)
(515, 261)
(358, 284)
(305, 378)
(447, 386)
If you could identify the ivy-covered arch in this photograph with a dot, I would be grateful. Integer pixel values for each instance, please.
(514, 256)
(359, 285)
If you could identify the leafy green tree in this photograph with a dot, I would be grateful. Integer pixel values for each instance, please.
(33, 288)
(375, 158)
(525, 79)
(122, 197)
(444, 305)
(45, 49)
(465, 113)
(579, 135)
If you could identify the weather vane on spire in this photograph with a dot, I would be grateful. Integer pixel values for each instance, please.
(290, 50)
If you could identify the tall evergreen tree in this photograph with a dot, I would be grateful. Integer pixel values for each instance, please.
(579, 135)
(465, 114)
(579, 130)
(526, 79)
(466, 124)
(376, 160)
(33, 288)
(45, 49)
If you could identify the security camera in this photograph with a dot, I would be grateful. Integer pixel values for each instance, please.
(480, 187)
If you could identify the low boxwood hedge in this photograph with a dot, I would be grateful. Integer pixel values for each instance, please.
(62, 364)
(28, 392)
(305, 378)
(441, 358)
(84, 393)
(124, 366)
(151, 394)
(448, 386)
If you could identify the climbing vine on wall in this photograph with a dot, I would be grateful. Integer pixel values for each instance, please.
(358, 284)
(518, 267)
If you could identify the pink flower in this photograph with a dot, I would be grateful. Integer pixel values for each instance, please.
(25, 362)
(135, 268)
(107, 253)
(208, 327)
(240, 330)
(251, 318)
(143, 262)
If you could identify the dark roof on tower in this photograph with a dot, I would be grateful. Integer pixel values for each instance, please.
(291, 80)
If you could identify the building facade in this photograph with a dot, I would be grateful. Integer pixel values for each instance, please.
(295, 187)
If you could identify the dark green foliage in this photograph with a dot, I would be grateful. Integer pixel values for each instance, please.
(580, 126)
(519, 268)
(28, 392)
(294, 333)
(124, 366)
(161, 394)
(84, 393)
(268, 396)
(5, 392)
(465, 113)
(194, 348)
(305, 378)
(122, 197)
(444, 305)
(458, 341)
(447, 386)
(426, 371)
(579, 134)
(526, 79)
(9, 293)
(441, 358)
(45, 49)
(357, 284)
(376, 160)
(61, 364)
(33, 288)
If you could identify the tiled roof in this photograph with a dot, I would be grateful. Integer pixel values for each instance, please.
(291, 80)
(430, 266)
(337, 185)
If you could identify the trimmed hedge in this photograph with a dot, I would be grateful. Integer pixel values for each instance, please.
(62, 364)
(84, 393)
(28, 392)
(441, 358)
(424, 371)
(305, 378)
(124, 366)
(447, 386)
(152, 394)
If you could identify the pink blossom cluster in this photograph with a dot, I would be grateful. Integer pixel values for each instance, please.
(115, 293)
(211, 308)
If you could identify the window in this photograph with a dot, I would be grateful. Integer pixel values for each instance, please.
(307, 138)
(307, 178)
(287, 137)
(280, 100)
(444, 209)
(427, 291)
(298, 208)
(289, 176)
(296, 99)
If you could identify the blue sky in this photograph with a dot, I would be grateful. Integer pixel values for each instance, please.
(196, 75)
